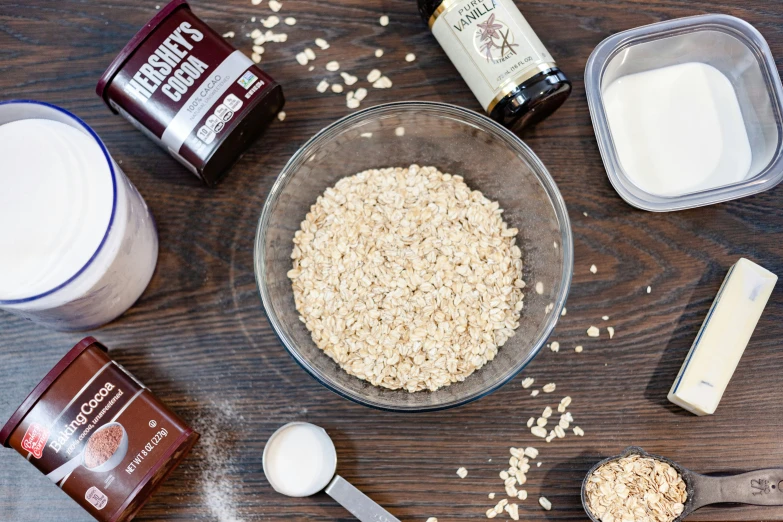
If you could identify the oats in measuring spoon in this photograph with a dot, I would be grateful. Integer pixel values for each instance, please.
(407, 277)
(636, 488)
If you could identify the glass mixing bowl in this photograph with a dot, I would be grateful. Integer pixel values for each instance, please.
(457, 141)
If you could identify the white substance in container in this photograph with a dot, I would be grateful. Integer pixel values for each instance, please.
(77, 243)
(678, 129)
(299, 460)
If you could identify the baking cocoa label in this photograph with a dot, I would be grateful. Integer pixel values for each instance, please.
(187, 87)
(100, 442)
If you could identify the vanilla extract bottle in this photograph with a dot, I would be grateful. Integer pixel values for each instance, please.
(500, 57)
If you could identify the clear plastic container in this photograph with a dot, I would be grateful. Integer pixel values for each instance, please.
(458, 141)
(116, 272)
(729, 44)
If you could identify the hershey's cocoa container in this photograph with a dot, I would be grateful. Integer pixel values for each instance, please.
(186, 88)
(98, 433)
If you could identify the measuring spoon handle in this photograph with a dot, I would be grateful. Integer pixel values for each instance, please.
(761, 487)
(360, 505)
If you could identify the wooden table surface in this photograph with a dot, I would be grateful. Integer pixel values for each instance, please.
(199, 339)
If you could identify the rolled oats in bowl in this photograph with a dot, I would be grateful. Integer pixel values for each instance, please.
(391, 356)
(407, 277)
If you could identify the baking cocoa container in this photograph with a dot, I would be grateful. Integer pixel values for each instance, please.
(186, 88)
(98, 433)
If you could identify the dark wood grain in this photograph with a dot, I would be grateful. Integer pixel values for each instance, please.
(199, 339)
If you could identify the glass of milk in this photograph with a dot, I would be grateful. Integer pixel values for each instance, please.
(78, 244)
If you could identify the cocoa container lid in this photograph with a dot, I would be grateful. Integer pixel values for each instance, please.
(135, 42)
(44, 385)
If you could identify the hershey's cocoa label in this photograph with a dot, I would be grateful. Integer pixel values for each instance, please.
(187, 88)
(99, 435)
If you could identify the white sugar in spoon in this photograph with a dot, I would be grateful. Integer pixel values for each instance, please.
(300, 460)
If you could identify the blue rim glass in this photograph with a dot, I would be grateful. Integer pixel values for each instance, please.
(109, 162)
(466, 116)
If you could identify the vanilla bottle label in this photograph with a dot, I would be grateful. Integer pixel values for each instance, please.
(491, 45)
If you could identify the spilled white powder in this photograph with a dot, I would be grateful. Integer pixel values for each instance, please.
(218, 425)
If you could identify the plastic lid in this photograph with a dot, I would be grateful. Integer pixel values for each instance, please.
(135, 42)
(54, 373)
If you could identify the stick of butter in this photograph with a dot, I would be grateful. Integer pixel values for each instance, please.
(723, 337)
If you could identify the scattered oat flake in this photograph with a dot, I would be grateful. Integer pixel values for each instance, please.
(410, 57)
(566, 401)
(378, 53)
(353, 103)
(323, 44)
(349, 79)
(253, 19)
(302, 59)
(555, 346)
(563, 312)
(545, 503)
(539, 288)
(531, 421)
(491, 496)
(538, 464)
(256, 34)
(432, 519)
(522, 494)
(534, 393)
(361, 94)
(585, 214)
(255, 2)
(309, 53)
(333, 66)
(256, 57)
(579, 349)
(369, 135)
(559, 431)
(382, 83)
(373, 75)
(337, 88)
(528, 382)
(549, 388)
(605, 317)
(290, 21)
(593, 269)
(579, 431)
(281, 115)
(384, 20)
(649, 289)
(549, 308)
(593, 332)
(229, 34)
(611, 331)
(311, 68)
(322, 86)
(491, 513)
(275, 6)
(462, 472)
(538, 431)
(259, 49)
(270, 21)
(399, 131)
(541, 421)
(513, 511)
(547, 412)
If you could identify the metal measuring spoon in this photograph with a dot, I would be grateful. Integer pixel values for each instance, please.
(360, 505)
(761, 487)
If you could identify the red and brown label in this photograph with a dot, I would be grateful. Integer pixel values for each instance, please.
(100, 435)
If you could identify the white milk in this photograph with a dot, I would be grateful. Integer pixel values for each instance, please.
(77, 245)
(678, 129)
(300, 460)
